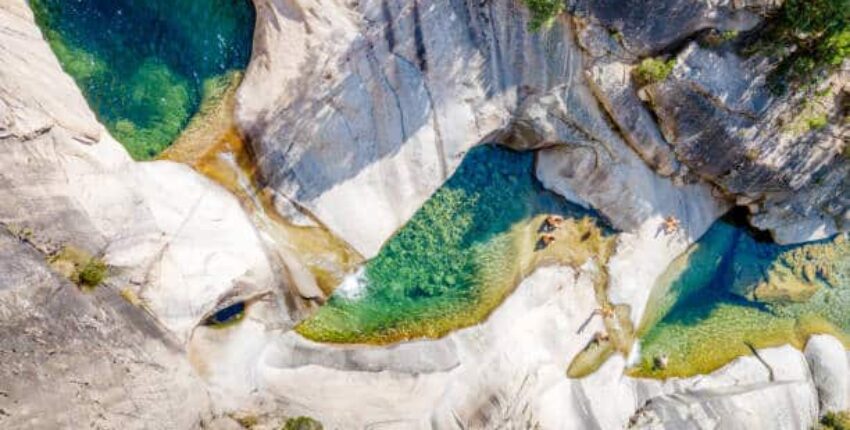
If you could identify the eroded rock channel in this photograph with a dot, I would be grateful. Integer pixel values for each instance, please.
(501, 214)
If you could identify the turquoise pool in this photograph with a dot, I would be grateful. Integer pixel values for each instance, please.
(143, 65)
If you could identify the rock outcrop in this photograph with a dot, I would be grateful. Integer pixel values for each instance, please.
(177, 247)
(714, 117)
(827, 360)
(772, 390)
(73, 360)
(759, 148)
(379, 102)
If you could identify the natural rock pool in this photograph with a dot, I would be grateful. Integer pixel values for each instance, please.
(469, 245)
(145, 66)
(735, 290)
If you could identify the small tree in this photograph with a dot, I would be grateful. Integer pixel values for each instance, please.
(652, 70)
(302, 423)
(92, 273)
(543, 12)
(816, 33)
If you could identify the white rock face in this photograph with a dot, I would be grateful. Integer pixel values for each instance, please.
(828, 362)
(378, 101)
(741, 395)
(176, 240)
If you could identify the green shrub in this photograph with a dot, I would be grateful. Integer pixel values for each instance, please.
(302, 423)
(836, 421)
(652, 70)
(543, 12)
(727, 36)
(817, 35)
(92, 273)
(816, 122)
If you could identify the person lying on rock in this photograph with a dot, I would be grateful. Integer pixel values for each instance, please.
(660, 362)
(671, 225)
(544, 241)
(552, 223)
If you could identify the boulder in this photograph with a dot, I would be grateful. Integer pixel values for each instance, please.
(830, 371)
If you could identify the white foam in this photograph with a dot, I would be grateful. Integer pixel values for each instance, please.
(353, 286)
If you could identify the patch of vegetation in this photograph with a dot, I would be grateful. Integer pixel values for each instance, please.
(246, 421)
(812, 115)
(543, 12)
(816, 122)
(714, 38)
(80, 267)
(302, 423)
(92, 273)
(814, 34)
(653, 70)
(728, 36)
(835, 421)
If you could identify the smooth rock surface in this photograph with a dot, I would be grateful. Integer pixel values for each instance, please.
(72, 359)
(776, 393)
(830, 372)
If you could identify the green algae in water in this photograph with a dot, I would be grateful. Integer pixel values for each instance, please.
(454, 261)
(708, 307)
(142, 64)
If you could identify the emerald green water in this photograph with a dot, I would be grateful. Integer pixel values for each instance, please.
(718, 298)
(453, 262)
(142, 64)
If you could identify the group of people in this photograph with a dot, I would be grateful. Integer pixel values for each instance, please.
(550, 224)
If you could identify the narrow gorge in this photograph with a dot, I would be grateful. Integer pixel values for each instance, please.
(374, 214)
